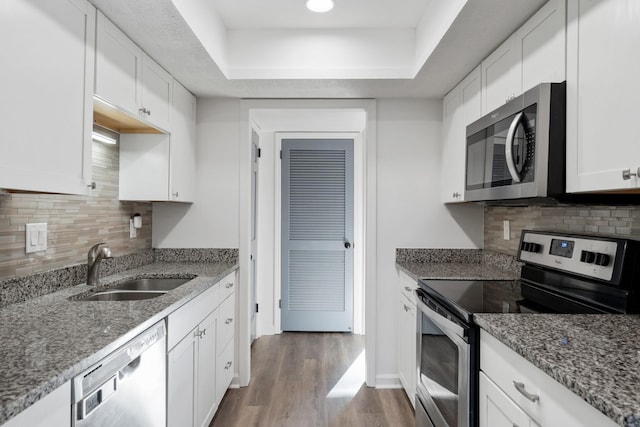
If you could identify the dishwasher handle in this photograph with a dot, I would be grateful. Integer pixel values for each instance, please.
(91, 402)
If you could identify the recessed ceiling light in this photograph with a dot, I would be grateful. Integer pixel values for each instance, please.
(319, 5)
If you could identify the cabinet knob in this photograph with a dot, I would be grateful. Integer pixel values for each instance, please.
(228, 365)
(408, 289)
(627, 174)
(92, 185)
(456, 195)
(226, 322)
(175, 194)
(144, 111)
(229, 285)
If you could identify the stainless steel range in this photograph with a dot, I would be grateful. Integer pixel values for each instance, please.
(562, 273)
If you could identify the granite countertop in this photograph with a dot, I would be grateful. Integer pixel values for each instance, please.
(48, 340)
(457, 264)
(600, 361)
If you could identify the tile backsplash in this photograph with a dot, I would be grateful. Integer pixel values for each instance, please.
(623, 220)
(74, 222)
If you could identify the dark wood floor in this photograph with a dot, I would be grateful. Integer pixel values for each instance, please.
(291, 375)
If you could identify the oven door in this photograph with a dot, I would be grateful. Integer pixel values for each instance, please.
(444, 366)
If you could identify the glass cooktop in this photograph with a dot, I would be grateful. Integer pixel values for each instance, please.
(465, 297)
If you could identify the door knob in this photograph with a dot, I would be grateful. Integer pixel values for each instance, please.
(347, 245)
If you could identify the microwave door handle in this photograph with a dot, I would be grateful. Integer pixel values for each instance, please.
(508, 148)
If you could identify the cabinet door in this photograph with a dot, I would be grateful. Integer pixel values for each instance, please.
(206, 402)
(144, 167)
(181, 374)
(501, 75)
(56, 406)
(118, 67)
(461, 107)
(156, 94)
(452, 142)
(497, 410)
(183, 136)
(46, 96)
(603, 41)
(542, 45)
(407, 347)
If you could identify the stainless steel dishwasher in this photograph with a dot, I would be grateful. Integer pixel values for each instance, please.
(126, 388)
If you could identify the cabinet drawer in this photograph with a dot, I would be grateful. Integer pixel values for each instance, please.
(224, 370)
(226, 323)
(227, 286)
(407, 286)
(556, 404)
(186, 318)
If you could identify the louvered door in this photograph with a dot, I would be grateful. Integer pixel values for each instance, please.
(317, 235)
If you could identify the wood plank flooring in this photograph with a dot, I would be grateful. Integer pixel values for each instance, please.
(291, 376)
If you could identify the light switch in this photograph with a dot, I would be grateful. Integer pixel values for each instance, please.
(36, 237)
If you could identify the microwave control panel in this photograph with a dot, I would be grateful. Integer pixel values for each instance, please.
(580, 255)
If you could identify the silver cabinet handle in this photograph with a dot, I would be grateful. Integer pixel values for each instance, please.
(201, 333)
(175, 194)
(521, 388)
(229, 285)
(144, 111)
(408, 289)
(226, 322)
(627, 174)
(228, 365)
(406, 307)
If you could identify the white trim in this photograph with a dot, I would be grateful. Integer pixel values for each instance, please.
(388, 381)
(370, 170)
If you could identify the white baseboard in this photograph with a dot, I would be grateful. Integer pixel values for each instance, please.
(388, 381)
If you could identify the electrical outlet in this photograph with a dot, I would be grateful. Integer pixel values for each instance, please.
(36, 237)
(132, 230)
(506, 229)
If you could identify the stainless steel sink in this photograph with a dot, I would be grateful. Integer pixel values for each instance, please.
(135, 289)
(122, 295)
(151, 284)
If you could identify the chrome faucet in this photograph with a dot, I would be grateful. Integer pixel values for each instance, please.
(97, 253)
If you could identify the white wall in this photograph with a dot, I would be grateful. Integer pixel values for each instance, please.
(212, 221)
(410, 214)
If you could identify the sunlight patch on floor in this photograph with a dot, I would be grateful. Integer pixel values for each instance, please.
(349, 384)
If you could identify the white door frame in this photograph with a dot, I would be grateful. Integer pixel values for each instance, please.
(370, 227)
(358, 213)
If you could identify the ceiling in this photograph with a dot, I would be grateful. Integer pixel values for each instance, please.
(277, 49)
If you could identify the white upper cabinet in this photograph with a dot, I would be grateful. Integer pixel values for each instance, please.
(541, 43)
(603, 41)
(183, 139)
(501, 79)
(460, 107)
(129, 79)
(534, 54)
(156, 94)
(118, 67)
(46, 103)
(161, 167)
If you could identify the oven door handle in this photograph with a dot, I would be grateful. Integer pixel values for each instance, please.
(453, 331)
(508, 148)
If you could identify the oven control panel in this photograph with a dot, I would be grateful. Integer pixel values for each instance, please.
(592, 257)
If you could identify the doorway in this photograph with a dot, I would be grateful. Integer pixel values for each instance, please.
(317, 235)
(290, 118)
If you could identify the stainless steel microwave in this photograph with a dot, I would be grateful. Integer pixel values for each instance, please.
(518, 150)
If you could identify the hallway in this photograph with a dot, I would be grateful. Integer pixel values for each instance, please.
(311, 379)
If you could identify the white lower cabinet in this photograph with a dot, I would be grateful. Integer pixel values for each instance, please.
(53, 410)
(196, 360)
(406, 336)
(515, 392)
(497, 410)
